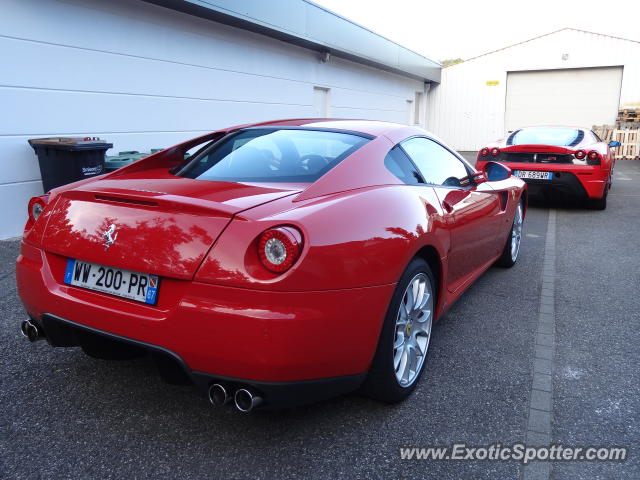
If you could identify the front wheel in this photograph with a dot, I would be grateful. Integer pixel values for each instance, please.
(406, 333)
(512, 246)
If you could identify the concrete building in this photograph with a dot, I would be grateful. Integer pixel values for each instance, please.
(150, 74)
(568, 77)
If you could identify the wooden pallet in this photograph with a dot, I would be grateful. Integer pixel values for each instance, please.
(629, 115)
(628, 134)
(605, 132)
(630, 143)
(627, 126)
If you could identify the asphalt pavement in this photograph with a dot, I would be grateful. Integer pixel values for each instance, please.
(65, 415)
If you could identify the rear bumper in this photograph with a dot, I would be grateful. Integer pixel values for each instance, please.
(562, 183)
(215, 331)
(64, 333)
(578, 181)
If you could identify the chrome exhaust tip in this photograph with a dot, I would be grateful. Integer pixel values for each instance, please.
(246, 401)
(218, 395)
(31, 331)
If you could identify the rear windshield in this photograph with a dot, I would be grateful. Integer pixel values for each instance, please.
(273, 155)
(558, 137)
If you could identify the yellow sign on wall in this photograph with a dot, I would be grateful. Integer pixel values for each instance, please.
(492, 83)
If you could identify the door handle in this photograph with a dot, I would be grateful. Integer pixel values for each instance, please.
(447, 206)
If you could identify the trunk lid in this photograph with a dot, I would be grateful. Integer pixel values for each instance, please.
(162, 226)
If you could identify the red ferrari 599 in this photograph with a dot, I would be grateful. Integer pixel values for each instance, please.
(282, 263)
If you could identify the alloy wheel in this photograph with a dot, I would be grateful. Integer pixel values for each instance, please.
(413, 329)
(516, 233)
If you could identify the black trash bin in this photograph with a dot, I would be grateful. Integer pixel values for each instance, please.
(69, 159)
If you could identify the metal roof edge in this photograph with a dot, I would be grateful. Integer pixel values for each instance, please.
(541, 36)
(317, 29)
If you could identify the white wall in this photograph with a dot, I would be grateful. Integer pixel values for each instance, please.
(141, 76)
(467, 113)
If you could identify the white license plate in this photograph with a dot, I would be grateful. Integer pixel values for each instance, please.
(532, 174)
(137, 286)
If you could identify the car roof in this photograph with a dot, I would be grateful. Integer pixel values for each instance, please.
(369, 127)
(553, 126)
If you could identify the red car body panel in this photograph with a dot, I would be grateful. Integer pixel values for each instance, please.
(285, 336)
(174, 225)
(219, 309)
(594, 179)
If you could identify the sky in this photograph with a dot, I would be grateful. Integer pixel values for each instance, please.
(447, 29)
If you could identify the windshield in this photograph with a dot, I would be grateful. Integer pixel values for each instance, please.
(273, 155)
(558, 137)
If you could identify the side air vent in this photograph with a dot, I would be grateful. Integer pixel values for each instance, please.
(504, 196)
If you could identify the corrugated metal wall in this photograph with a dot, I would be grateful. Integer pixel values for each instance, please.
(143, 76)
(467, 112)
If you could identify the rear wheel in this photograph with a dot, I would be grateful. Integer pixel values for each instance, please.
(600, 203)
(512, 246)
(404, 341)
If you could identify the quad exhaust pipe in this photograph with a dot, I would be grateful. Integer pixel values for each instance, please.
(219, 395)
(244, 400)
(30, 330)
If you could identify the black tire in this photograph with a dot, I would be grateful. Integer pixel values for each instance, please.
(97, 346)
(600, 203)
(506, 259)
(381, 383)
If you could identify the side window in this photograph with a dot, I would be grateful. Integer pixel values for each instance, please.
(399, 164)
(437, 165)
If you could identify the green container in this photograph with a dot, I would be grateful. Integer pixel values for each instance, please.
(125, 158)
(114, 163)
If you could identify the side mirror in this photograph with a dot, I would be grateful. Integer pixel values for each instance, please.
(479, 178)
(494, 171)
(614, 143)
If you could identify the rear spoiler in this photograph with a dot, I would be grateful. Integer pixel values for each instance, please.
(152, 200)
(538, 149)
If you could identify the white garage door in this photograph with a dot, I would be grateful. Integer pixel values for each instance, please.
(577, 96)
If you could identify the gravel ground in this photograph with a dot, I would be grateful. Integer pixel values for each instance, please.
(65, 415)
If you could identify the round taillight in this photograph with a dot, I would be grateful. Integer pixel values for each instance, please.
(484, 152)
(279, 248)
(580, 154)
(36, 206)
(593, 155)
(495, 151)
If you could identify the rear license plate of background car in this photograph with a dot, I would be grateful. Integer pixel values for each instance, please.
(533, 175)
(137, 286)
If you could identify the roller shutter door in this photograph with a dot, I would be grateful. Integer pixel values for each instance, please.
(577, 96)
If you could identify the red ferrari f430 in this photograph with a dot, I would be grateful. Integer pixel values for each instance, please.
(282, 263)
(563, 161)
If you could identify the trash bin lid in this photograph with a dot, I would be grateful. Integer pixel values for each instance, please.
(70, 143)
